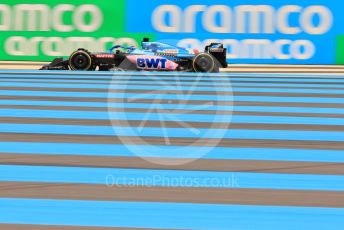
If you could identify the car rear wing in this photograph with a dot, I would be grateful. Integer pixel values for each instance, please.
(219, 52)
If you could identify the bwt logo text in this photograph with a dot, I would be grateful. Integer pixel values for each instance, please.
(252, 19)
(151, 63)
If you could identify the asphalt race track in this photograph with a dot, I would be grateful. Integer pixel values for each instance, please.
(85, 150)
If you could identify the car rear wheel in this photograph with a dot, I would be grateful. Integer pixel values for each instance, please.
(204, 62)
(81, 59)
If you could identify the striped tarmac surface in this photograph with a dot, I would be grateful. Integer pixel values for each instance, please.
(81, 150)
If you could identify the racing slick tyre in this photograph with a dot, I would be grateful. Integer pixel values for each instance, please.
(204, 62)
(81, 59)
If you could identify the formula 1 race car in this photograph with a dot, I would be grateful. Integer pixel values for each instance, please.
(152, 56)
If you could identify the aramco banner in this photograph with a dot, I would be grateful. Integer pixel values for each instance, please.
(268, 31)
(41, 30)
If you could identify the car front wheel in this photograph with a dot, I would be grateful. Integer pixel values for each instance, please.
(81, 59)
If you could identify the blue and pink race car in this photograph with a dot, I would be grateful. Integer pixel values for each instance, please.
(154, 56)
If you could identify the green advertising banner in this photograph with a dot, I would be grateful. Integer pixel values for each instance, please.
(44, 29)
(340, 50)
